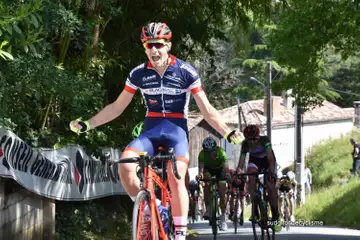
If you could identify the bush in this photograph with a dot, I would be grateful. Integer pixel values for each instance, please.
(100, 219)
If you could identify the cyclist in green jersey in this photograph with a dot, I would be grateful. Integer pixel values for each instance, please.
(213, 162)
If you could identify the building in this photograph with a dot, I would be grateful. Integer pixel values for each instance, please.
(320, 123)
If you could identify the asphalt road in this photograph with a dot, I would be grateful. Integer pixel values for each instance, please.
(294, 233)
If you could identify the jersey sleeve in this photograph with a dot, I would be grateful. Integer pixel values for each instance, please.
(266, 142)
(222, 155)
(201, 157)
(130, 86)
(193, 80)
(133, 81)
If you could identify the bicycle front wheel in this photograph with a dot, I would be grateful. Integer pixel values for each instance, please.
(214, 221)
(286, 214)
(141, 222)
(258, 231)
(235, 213)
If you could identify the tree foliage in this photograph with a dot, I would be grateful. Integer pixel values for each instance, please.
(64, 59)
(305, 31)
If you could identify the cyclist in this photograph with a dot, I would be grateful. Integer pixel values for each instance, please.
(261, 157)
(287, 184)
(194, 198)
(240, 185)
(213, 162)
(166, 84)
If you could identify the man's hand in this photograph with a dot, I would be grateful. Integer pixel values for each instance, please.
(78, 126)
(234, 137)
(239, 170)
(272, 176)
(200, 176)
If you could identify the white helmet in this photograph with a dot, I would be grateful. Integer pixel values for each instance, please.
(291, 175)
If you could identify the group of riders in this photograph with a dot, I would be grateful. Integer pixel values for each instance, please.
(213, 161)
(166, 84)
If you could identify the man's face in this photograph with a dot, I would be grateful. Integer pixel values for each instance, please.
(253, 141)
(157, 52)
(352, 141)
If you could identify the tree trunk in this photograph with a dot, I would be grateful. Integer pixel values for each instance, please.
(94, 14)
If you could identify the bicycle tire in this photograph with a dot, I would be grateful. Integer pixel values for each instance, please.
(255, 223)
(196, 211)
(213, 216)
(171, 225)
(286, 214)
(268, 227)
(236, 214)
(191, 210)
(141, 196)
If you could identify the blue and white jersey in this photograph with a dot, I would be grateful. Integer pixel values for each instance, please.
(169, 95)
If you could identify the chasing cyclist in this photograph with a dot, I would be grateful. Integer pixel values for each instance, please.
(261, 157)
(238, 184)
(213, 162)
(166, 84)
(287, 184)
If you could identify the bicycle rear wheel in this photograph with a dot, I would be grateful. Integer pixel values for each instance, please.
(141, 224)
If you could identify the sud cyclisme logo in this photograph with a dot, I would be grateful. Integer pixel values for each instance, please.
(302, 223)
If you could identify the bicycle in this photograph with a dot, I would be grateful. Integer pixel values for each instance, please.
(194, 209)
(150, 177)
(284, 193)
(236, 200)
(214, 209)
(259, 209)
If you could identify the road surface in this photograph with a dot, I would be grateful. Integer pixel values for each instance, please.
(294, 233)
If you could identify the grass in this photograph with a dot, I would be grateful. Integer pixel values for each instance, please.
(332, 202)
(331, 160)
(334, 206)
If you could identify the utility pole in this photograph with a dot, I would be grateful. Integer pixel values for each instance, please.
(239, 113)
(269, 113)
(299, 159)
(357, 113)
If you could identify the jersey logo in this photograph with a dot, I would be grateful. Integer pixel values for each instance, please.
(163, 90)
(153, 101)
(174, 78)
(145, 79)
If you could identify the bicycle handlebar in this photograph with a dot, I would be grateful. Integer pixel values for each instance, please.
(252, 174)
(213, 179)
(171, 156)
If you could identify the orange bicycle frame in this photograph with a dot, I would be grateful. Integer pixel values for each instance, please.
(150, 179)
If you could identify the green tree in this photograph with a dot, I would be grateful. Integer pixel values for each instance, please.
(305, 31)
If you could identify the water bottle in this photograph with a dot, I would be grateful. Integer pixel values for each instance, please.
(164, 217)
(147, 217)
(261, 190)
